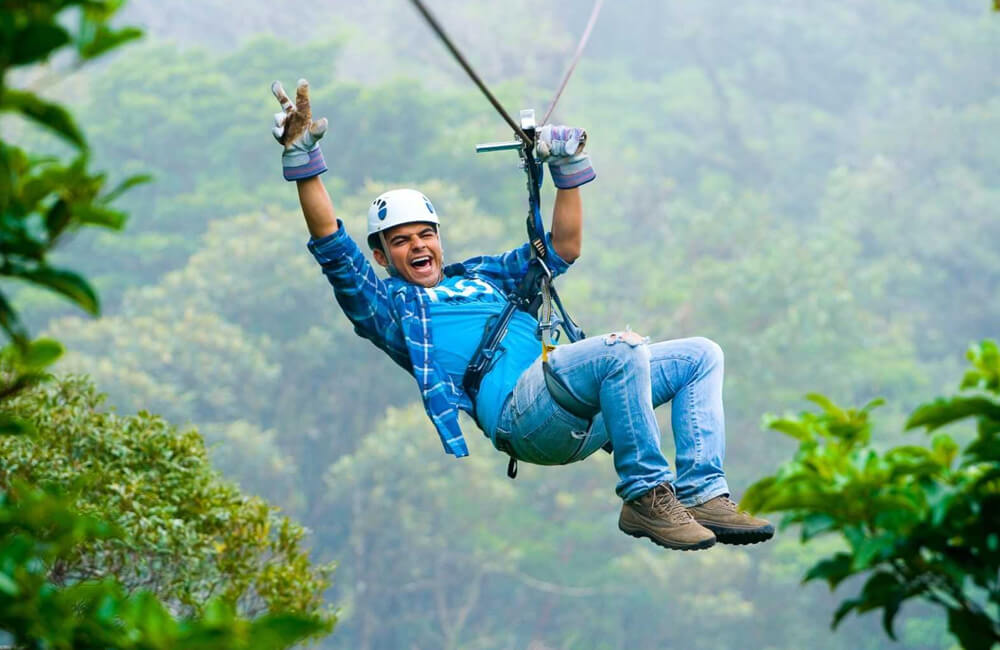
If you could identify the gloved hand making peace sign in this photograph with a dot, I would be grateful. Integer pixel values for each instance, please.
(562, 148)
(295, 129)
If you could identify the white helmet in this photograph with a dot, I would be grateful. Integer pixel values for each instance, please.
(397, 207)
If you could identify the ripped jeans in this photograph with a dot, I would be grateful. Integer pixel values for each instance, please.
(628, 378)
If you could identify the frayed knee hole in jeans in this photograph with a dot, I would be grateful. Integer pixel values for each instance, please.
(634, 339)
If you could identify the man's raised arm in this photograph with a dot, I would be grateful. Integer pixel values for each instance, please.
(302, 160)
(317, 207)
(567, 224)
(562, 148)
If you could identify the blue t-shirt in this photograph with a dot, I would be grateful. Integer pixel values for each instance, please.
(459, 308)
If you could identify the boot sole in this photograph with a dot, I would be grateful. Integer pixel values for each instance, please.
(697, 546)
(740, 536)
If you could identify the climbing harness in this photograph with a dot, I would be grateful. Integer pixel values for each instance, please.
(535, 293)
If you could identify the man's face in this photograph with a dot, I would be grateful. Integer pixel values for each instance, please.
(415, 251)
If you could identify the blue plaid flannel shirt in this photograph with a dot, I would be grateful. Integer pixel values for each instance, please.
(392, 314)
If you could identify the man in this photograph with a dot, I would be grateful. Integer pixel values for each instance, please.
(430, 318)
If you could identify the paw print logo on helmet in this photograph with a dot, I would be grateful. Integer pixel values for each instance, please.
(382, 208)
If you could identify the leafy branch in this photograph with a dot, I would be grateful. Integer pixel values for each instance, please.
(42, 198)
(918, 521)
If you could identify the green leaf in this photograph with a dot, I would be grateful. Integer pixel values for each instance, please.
(844, 609)
(945, 449)
(105, 39)
(125, 185)
(944, 411)
(11, 323)
(755, 495)
(36, 41)
(816, 523)
(283, 630)
(49, 115)
(872, 405)
(973, 630)
(883, 590)
(96, 215)
(8, 162)
(57, 218)
(889, 611)
(8, 586)
(153, 617)
(834, 570)
(67, 283)
(12, 426)
(983, 450)
(791, 428)
(42, 353)
(827, 405)
(985, 372)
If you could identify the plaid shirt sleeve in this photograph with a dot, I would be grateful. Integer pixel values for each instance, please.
(440, 395)
(361, 294)
(508, 268)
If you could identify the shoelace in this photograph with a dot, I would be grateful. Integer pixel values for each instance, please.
(664, 502)
(729, 503)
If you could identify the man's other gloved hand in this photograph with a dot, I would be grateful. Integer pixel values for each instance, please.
(562, 148)
(295, 129)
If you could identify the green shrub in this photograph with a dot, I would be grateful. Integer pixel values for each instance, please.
(917, 521)
(39, 530)
(189, 535)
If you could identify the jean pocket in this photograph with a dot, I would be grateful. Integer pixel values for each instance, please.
(556, 440)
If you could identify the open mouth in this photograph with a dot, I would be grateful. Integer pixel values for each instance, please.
(422, 263)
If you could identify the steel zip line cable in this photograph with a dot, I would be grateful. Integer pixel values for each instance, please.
(436, 26)
(468, 69)
(576, 58)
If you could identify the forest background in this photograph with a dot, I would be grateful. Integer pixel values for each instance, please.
(812, 186)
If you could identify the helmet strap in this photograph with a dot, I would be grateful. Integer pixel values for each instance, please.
(385, 251)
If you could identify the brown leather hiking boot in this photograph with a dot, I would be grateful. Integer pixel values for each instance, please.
(723, 517)
(659, 516)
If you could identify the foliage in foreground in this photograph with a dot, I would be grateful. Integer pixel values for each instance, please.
(919, 522)
(43, 199)
(39, 530)
(67, 580)
(190, 534)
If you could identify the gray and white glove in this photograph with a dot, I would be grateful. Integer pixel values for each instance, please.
(562, 148)
(295, 129)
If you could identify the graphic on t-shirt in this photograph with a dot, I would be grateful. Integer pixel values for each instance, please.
(463, 290)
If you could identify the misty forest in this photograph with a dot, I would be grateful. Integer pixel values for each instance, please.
(198, 451)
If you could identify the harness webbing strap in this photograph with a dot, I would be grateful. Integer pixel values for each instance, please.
(526, 298)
